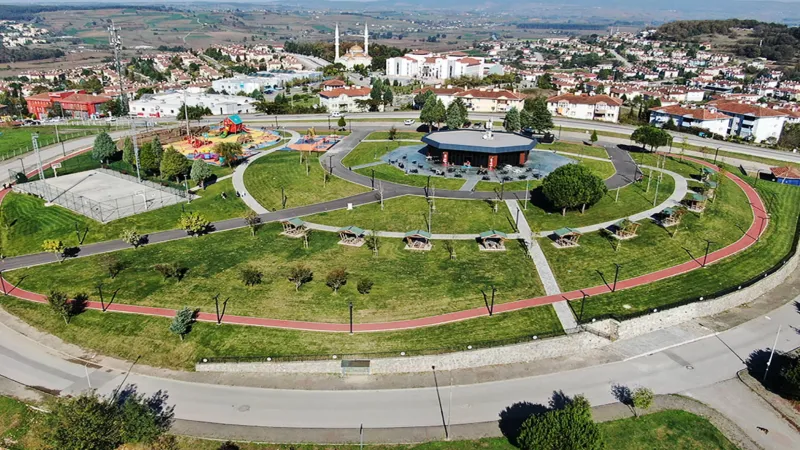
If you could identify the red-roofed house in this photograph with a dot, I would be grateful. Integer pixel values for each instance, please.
(343, 99)
(588, 107)
(709, 119)
(491, 100)
(754, 122)
(333, 84)
(76, 103)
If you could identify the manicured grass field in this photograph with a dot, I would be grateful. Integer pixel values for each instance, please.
(16, 423)
(395, 175)
(782, 201)
(128, 336)
(403, 135)
(26, 222)
(722, 222)
(411, 213)
(576, 148)
(367, 152)
(406, 284)
(265, 177)
(632, 199)
(16, 141)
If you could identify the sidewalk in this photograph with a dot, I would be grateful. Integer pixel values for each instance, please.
(238, 174)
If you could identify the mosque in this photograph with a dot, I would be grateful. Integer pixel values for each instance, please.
(354, 55)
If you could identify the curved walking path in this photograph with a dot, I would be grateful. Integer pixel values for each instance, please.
(758, 225)
(238, 173)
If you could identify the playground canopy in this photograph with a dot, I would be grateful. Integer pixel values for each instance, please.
(418, 240)
(567, 237)
(493, 240)
(233, 124)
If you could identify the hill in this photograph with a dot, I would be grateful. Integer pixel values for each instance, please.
(746, 38)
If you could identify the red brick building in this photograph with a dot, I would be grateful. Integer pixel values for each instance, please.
(77, 104)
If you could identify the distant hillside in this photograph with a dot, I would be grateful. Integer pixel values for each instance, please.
(747, 38)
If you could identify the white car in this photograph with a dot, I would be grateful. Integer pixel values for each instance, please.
(111, 119)
(336, 114)
(409, 122)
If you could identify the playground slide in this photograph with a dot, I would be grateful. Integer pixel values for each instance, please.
(224, 134)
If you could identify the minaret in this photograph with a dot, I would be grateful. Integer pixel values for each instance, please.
(336, 43)
(366, 40)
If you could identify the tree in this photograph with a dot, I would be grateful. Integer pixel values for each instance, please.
(670, 125)
(570, 427)
(54, 246)
(392, 133)
(593, 137)
(173, 164)
(194, 223)
(336, 279)
(229, 152)
(149, 161)
(300, 275)
(650, 135)
(388, 96)
(128, 155)
(112, 265)
(194, 112)
(428, 113)
(541, 118)
(571, 186)
(364, 286)
(182, 323)
(131, 237)
(341, 123)
(251, 276)
(545, 82)
(104, 147)
(439, 113)
(642, 398)
(61, 305)
(453, 118)
(200, 172)
(525, 119)
(512, 121)
(252, 220)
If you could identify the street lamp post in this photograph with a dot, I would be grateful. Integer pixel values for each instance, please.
(351, 317)
(772, 352)
(708, 247)
(583, 302)
(35, 141)
(441, 409)
(616, 276)
(715, 156)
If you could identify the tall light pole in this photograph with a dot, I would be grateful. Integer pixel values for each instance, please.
(186, 113)
(115, 40)
(35, 141)
(772, 352)
(135, 149)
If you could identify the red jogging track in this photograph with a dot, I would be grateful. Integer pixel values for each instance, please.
(759, 224)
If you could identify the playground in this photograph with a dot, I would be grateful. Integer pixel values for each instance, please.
(310, 142)
(231, 129)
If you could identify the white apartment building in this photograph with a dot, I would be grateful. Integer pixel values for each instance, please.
(427, 65)
(344, 99)
(168, 104)
(588, 107)
(708, 119)
(752, 121)
(479, 99)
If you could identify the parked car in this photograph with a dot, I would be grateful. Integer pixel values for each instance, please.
(409, 122)
(336, 114)
(111, 119)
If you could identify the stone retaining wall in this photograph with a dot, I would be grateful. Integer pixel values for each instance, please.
(535, 350)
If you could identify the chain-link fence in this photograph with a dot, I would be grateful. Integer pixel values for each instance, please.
(151, 196)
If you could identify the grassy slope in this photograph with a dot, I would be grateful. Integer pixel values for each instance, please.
(407, 284)
(265, 177)
(632, 199)
(663, 430)
(783, 202)
(411, 212)
(653, 248)
(409, 135)
(26, 222)
(367, 152)
(575, 148)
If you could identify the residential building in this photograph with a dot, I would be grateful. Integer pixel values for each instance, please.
(344, 99)
(754, 122)
(691, 117)
(76, 103)
(491, 100)
(588, 107)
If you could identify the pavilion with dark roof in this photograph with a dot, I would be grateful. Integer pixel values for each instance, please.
(476, 148)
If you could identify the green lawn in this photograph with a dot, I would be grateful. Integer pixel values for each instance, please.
(403, 135)
(16, 423)
(26, 222)
(411, 212)
(128, 336)
(15, 141)
(783, 202)
(265, 177)
(632, 199)
(577, 148)
(723, 222)
(390, 173)
(367, 152)
(407, 284)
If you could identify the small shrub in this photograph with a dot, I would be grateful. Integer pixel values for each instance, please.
(113, 266)
(364, 286)
(251, 276)
(131, 237)
(336, 279)
(642, 398)
(194, 223)
(182, 323)
(299, 275)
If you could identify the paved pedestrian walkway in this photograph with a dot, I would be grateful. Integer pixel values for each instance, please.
(372, 164)
(238, 174)
(469, 184)
(563, 311)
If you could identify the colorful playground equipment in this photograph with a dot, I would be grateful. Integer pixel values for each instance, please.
(232, 129)
(313, 143)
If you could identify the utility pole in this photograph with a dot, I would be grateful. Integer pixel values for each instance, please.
(527, 193)
(186, 113)
(135, 149)
(655, 197)
(35, 140)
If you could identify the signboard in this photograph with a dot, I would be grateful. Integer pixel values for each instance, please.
(56, 166)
